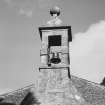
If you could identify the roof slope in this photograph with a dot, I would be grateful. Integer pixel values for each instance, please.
(93, 94)
(17, 96)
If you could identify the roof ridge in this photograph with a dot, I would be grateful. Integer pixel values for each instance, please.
(97, 84)
(20, 89)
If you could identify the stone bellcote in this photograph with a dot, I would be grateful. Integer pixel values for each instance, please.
(55, 42)
(54, 70)
(55, 45)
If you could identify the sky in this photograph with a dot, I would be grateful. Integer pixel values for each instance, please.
(20, 40)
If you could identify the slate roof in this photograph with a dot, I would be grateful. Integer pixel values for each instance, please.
(16, 96)
(93, 94)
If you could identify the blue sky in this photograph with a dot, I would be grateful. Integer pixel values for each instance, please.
(20, 41)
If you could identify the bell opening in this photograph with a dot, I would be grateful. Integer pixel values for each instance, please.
(55, 60)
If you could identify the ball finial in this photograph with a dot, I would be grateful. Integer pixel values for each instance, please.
(55, 10)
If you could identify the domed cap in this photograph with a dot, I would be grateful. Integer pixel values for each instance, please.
(55, 10)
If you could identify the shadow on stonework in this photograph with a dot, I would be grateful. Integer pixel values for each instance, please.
(5, 103)
(30, 99)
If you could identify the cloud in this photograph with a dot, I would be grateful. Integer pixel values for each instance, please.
(27, 7)
(26, 13)
(88, 53)
(22, 7)
(8, 1)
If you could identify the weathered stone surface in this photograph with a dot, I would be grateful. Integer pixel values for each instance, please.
(77, 92)
(92, 93)
(55, 88)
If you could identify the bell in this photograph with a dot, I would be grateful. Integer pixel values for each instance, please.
(55, 58)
